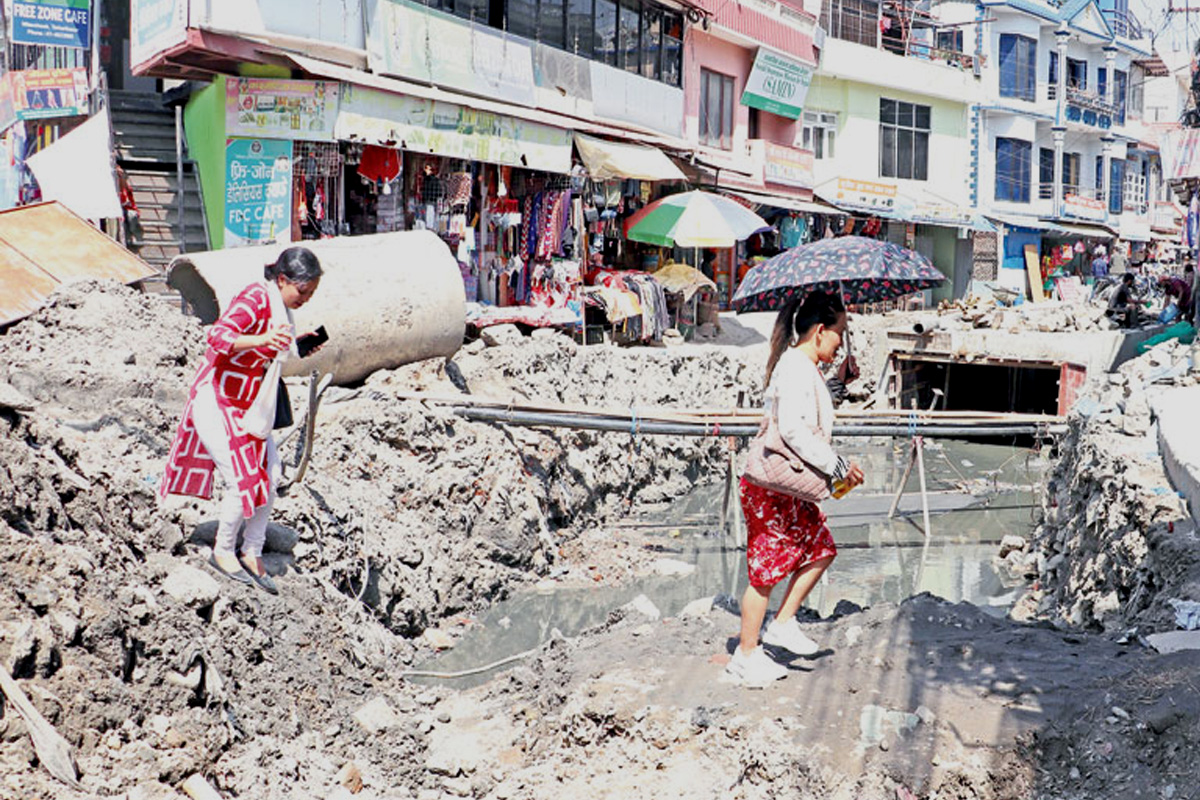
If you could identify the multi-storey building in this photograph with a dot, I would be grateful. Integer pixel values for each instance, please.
(485, 85)
(1058, 150)
(888, 122)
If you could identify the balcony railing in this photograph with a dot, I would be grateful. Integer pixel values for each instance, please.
(1123, 23)
(1090, 101)
(859, 21)
(954, 58)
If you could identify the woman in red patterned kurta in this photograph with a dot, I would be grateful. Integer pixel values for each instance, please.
(787, 536)
(254, 330)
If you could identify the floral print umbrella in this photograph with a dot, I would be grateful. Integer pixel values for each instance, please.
(864, 270)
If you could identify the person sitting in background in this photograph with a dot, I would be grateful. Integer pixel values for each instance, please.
(1123, 305)
(1181, 290)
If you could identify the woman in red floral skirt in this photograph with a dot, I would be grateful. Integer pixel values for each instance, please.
(788, 537)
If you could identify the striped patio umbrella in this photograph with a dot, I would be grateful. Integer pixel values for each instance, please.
(863, 270)
(693, 219)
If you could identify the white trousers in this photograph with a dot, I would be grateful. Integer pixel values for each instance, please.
(210, 427)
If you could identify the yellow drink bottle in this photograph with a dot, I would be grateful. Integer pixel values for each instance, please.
(840, 489)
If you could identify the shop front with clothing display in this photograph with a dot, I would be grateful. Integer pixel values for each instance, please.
(535, 225)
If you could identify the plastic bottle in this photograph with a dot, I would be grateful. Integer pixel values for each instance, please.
(840, 489)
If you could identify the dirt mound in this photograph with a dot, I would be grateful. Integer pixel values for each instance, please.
(409, 515)
(1115, 542)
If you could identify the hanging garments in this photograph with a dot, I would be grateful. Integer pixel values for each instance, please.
(318, 209)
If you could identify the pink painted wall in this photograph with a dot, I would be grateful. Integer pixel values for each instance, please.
(703, 50)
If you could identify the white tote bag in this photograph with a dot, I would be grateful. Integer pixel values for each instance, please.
(259, 419)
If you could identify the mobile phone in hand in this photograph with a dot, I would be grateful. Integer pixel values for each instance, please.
(311, 341)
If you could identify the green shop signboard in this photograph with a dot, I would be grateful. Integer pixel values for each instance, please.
(777, 84)
(258, 191)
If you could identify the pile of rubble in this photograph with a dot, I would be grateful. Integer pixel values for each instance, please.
(155, 670)
(1115, 542)
(1051, 316)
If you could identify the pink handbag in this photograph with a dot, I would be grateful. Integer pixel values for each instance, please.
(773, 464)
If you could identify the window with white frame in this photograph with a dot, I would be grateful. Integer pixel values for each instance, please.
(1135, 186)
(903, 139)
(818, 133)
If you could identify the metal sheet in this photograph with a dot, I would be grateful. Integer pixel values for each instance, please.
(22, 285)
(44, 245)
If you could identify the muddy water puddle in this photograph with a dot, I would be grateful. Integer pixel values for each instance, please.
(977, 494)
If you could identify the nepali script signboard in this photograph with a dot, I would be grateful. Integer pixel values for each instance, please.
(777, 84)
(62, 23)
(281, 109)
(258, 191)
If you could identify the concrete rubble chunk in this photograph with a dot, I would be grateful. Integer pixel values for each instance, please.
(697, 609)
(645, 606)
(1174, 641)
(672, 568)
(499, 335)
(377, 716)
(438, 639)
(350, 777)
(1012, 543)
(192, 586)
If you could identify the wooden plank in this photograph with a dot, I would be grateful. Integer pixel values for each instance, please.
(1034, 269)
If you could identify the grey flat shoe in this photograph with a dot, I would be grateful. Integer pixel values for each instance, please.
(264, 581)
(241, 575)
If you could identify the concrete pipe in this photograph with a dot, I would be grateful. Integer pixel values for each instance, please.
(925, 325)
(386, 299)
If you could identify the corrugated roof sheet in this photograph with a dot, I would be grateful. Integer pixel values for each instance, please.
(44, 245)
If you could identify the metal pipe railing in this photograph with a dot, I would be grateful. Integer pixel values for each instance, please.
(635, 425)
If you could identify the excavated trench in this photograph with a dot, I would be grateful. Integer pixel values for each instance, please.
(978, 493)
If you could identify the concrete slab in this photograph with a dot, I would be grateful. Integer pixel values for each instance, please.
(1174, 641)
(1099, 351)
(1179, 439)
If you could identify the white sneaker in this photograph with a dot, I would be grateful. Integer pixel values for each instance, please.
(755, 670)
(787, 635)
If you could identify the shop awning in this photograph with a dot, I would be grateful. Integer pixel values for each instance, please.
(605, 159)
(1013, 221)
(1083, 229)
(1133, 229)
(785, 202)
(829, 196)
(44, 245)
